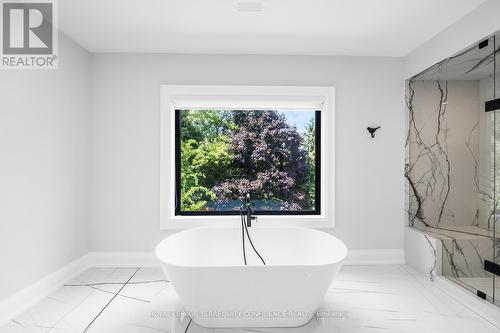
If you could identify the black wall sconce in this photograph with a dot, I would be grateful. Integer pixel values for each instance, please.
(372, 130)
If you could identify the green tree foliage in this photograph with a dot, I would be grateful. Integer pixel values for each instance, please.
(202, 125)
(310, 147)
(226, 154)
(269, 160)
(204, 155)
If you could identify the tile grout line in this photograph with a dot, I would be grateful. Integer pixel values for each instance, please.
(100, 312)
(106, 283)
(110, 292)
(73, 309)
(189, 324)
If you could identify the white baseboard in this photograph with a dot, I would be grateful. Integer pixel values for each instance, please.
(375, 257)
(29, 296)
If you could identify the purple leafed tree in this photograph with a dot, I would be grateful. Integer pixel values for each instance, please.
(269, 161)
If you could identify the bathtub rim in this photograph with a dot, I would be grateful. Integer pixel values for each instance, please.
(338, 262)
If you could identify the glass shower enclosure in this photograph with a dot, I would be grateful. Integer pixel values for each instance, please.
(453, 164)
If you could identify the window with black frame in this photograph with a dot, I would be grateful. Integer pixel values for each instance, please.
(221, 155)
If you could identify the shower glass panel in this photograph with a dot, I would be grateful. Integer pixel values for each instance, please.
(496, 215)
(453, 163)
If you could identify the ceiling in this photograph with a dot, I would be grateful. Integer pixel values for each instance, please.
(312, 27)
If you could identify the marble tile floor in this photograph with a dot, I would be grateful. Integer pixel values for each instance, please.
(384, 298)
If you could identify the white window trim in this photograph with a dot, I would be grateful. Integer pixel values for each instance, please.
(174, 95)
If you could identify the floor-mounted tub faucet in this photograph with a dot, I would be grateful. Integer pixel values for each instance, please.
(248, 209)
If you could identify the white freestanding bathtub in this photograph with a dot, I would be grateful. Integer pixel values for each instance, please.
(216, 289)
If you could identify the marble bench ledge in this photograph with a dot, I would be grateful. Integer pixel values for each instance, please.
(457, 232)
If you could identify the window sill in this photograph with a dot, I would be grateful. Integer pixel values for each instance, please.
(187, 222)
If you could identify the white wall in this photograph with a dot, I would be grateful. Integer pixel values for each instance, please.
(475, 26)
(125, 139)
(43, 168)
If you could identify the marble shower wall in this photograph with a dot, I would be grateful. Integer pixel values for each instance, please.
(450, 170)
(486, 169)
(443, 151)
(464, 258)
